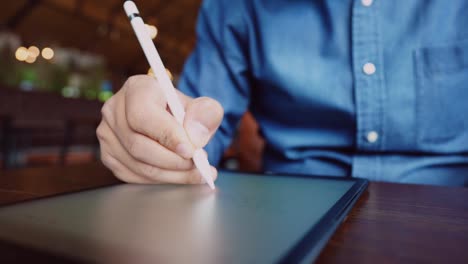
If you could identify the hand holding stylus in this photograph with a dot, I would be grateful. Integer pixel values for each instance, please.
(141, 142)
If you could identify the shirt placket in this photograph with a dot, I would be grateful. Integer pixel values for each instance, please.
(368, 87)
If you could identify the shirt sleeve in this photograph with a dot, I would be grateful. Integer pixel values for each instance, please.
(218, 68)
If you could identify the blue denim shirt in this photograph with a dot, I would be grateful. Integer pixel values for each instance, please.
(375, 89)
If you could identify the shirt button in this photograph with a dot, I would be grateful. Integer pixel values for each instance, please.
(372, 137)
(367, 2)
(368, 68)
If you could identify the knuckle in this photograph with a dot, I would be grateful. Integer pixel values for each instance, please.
(135, 116)
(108, 161)
(131, 81)
(183, 164)
(108, 105)
(167, 137)
(136, 148)
(108, 110)
(149, 171)
(134, 145)
(100, 132)
(193, 177)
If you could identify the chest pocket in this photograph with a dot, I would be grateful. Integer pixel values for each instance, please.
(442, 97)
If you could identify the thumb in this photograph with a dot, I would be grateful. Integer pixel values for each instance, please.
(203, 116)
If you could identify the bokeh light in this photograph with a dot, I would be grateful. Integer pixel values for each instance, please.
(150, 72)
(21, 54)
(30, 59)
(105, 95)
(152, 30)
(170, 74)
(47, 53)
(33, 51)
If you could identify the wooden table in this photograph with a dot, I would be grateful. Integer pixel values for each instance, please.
(392, 223)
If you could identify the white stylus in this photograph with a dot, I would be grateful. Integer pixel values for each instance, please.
(199, 157)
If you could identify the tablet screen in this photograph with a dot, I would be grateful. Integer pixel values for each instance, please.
(254, 219)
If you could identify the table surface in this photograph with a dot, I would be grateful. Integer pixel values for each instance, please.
(390, 223)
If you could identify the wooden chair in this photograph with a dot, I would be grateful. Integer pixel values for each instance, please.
(247, 147)
(29, 116)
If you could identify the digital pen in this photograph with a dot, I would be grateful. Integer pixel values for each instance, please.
(154, 60)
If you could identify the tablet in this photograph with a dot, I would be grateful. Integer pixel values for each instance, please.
(248, 218)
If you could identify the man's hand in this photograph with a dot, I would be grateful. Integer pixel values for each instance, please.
(141, 142)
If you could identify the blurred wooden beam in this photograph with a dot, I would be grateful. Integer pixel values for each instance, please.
(14, 21)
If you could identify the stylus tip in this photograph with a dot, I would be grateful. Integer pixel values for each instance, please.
(201, 162)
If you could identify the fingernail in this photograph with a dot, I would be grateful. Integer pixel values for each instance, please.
(198, 133)
(184, 150)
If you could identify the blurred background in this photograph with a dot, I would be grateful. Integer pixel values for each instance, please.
(60, 60)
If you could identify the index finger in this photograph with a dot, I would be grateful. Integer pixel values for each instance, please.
(146, 114)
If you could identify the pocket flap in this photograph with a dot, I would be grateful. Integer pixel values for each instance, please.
(445, 59)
